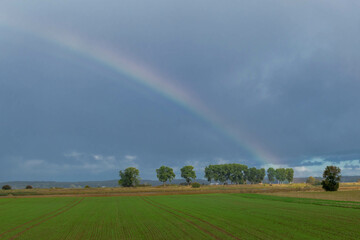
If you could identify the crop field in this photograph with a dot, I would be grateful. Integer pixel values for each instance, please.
(206, 216)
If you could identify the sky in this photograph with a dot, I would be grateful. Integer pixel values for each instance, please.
(89, 88)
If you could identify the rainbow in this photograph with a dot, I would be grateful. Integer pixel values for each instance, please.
(142, 74)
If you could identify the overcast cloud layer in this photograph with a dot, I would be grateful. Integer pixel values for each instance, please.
(283, 74)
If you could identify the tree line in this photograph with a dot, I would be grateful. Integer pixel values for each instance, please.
(280, 174)
(241, 174)
(224, 173)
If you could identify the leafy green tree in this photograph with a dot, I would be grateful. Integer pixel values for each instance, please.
(188, 173)
(260, 175)
(209, 173)
(164, 174)
(129, 177)
(289, 174)
(332, 178)
(252, 175)
(271, 173)
(237, 173)
(218, 173)
(226, 171)
(246, 174)
(255, 175)
(234, 172)
(280, 175)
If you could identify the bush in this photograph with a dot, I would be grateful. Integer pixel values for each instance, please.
(6, 187)
(195, 185)
(87, 186)
(28, 187)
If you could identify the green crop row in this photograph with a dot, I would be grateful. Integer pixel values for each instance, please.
(208, 216)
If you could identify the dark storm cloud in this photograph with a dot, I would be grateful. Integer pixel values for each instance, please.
(284, 74)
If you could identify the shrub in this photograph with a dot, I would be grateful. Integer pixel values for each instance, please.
(87, 186)
(6, 187)
(195, 185)
(28, 187)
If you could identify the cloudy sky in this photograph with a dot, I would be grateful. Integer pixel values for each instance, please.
(89, 88)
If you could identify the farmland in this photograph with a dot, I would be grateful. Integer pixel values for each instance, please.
(295, 189)
(200, 216)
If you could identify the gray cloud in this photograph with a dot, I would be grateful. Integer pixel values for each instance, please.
(284, 75)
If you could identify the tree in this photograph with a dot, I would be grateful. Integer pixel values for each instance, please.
(311, 180)
(188, 173)
(237, 173)
(246, 174)
(164, 174)
(255, 175)
(260, 175)
(251, 176)
(280, 174)
(6, 187)
(271, 174)
(332, 178)
(221, 173)
(129, 177)
(209, 173)
(289, 174)
(28, 187)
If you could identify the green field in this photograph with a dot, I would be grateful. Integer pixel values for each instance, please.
(207, 216)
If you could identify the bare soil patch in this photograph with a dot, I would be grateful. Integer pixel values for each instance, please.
(295, 189)
(344, 195)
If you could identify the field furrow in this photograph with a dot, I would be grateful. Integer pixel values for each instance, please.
(197, 218)
(177, 215)
(49, 216)
(180, 217)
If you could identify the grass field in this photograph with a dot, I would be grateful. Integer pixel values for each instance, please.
(205, 216)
